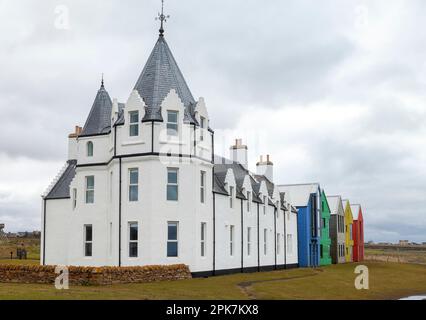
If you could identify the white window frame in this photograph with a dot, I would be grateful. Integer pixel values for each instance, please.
(203, 176)
(231, 240)
(265, 242)
(90, 149)
(74, 198)
(169, 184)
(231, 197)
(89, 190)
(248, 201)
(133, 185)
(202, 127)
(172, 125)
(129, 227)
(278, 243)
(88, 242)
(249, 241)
(133, 124)
(290, 244)
(203, 239)
(265, 201)
(173, 223)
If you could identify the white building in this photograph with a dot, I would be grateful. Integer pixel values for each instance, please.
(141, 187)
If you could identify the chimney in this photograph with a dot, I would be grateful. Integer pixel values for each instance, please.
(265, 168)
(72, 143)
(239, 153)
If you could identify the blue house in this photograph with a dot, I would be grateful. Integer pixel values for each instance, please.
(307, 199)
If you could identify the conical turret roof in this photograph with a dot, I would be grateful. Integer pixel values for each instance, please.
(160, 75)
(99, 121)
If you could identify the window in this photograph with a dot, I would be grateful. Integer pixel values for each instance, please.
(203, 126)
(248, 201)
(74, 198)
(90, 149)
(290, 244)
(203, 239)
(265, 241)
(278, 243)
(231, 195)
(322, 251)
(133, 239)
(90, 190)
(172, 184)
(172, 123)
(248, 241)
(203, 187)
(350, 232)
(88, 240)
(134, 123)
(133, 185)
(231, 240)
(172, 240)
(264, 204)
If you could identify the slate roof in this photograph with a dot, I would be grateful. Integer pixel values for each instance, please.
(299, 193)
(61, 189)
(160, 75)
(221, 168)
(99, 121)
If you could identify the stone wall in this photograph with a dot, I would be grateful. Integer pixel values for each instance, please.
(94, 276)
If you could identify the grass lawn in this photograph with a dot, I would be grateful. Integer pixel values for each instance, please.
(31, 245)
(387, 281)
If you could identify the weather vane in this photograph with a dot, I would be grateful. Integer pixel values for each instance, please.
(163, 18)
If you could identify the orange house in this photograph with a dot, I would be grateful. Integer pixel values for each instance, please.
(358, 233)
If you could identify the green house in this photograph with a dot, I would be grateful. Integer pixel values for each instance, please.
(325, 243)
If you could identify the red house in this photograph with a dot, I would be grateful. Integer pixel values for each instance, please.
(358, 233)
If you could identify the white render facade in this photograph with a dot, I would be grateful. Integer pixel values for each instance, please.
(142, 187)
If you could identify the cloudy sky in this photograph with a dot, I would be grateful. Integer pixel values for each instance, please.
(333, 90)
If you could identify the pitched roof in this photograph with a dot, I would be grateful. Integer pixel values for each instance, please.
(221, 168)
(356, 208)
(333, 202)
(61, 189)
(299, 193)
(99, 121)
(160, 75)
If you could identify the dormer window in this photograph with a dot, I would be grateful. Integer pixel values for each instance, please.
(90, 149)
(231, 197)
(134, 123)
(264, 204)
(203, 127)
(248, 201)
(172, 123)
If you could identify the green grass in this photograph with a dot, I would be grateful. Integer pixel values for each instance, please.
(387, 281)
(28, 262)
(31, 245)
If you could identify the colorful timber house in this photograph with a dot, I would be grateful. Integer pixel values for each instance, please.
(337, 230)
(325, 244)
(358, 233)
(349, 241)
(307, 199)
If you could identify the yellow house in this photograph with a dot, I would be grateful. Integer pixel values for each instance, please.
(349, 241)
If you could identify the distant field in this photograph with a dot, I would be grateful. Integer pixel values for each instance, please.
(10, 245)
(396, 254)
(387, 281)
